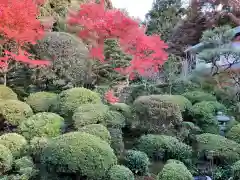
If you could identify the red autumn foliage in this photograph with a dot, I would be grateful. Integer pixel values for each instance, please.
(110, 97)
(19, 24)
(99, 24)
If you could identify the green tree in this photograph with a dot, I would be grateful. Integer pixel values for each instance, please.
(163, 17)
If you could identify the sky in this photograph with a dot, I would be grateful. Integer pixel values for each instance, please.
(136, 8)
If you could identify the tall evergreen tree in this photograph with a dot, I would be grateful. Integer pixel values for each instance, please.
(163, 17)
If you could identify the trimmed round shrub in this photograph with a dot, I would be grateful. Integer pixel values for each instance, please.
(198, 96)
(16, 143)
(137, 161)
(119, 172)
(14, 112)
(36, 147)
(96, 114)
(174, 170)
(117, 140)
(125, 110)
(156, 115)
(230, 124)
(164, 147)
(70, 63)
(71, 99)
(43, 124)
(207, 109)
(236, 170)
(42, 101)
(97, 130)
(23, 162)
(7, 93)
(219, 147)
(90, 114)
(79, 152)
(181, 101)
(6, 159)
(234, 133)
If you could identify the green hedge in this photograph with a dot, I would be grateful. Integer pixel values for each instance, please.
(119, 172)
(174, 170)
(234, 133)
(43, 124)
(78, 152)
(69, 100)
(7, 93)
(198, 96)
(14, 112)
(6, 159)
(164, 147)
(16, 143)
(221, 148)
(97, 130)
(154, 114)
(42, 101)
(137, 161)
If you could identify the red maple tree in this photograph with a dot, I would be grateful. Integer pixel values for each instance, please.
(99, 24)
(19, 25)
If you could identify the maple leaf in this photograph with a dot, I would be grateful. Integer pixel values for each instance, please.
(110, 97)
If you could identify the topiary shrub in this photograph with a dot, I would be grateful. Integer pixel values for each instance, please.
(117, 140)
(16, 143)
(198, 96)
(164, 147)
(13, 112)
(119, 172)
(6, 159)
(89, 114)
(42, 101)
(36, 147)
(97, 130)
(78, 153)
(43, 124)
(7, 93)
(181, 101)
(70, 67)
(220, 148)
(156, 115)
(125, 110)
(174, 170)
(204, 114)
(97, 113)
(137, 161)
(71, 99)
(236, 171)
(234, 133)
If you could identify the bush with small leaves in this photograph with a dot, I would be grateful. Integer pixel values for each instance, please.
(78, 152)
(156, 115)
(119, 172)
(198, 96)
(234, 133)
(222, 149)
(97, 114)
(117, 140)
(164, 147)
(14, 112)
(137, 161)
(43, 124)
(97, 130)
(42, 101)
(174, 170)
(71, 99)
(16, 143)
(7, 93)
(36, 147)
(236, 170)
(70, 63)
(181, 101)
(125, 110)
(6, 159)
